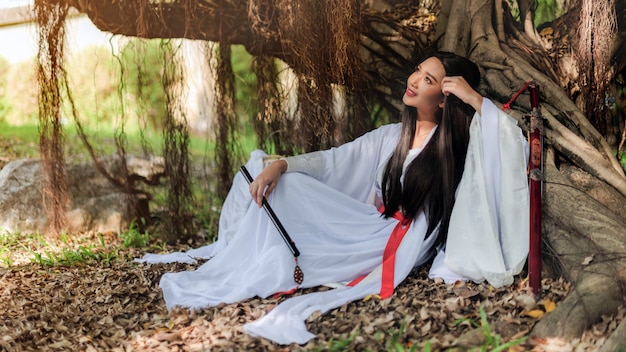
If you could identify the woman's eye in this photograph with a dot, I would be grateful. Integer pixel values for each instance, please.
(428, 80)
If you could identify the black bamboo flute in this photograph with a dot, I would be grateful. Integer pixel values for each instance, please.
(268, 209)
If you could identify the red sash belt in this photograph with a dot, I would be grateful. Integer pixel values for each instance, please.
(389, 255)
(389, 258)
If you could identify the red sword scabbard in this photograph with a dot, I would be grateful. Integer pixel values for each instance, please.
(535, 188)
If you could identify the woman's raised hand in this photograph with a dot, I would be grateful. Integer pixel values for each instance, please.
(267, 180)
(458, 86)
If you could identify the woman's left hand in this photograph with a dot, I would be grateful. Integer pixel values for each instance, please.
(461, 89)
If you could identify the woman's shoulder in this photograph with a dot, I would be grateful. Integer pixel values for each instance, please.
(389, 128)
(384, 131)
(378, 136)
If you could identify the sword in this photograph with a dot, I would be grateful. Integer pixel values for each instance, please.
(535, 188)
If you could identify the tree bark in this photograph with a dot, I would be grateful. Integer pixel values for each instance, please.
(456, 28)
(527, 9)
(617, 339)
(579, 229)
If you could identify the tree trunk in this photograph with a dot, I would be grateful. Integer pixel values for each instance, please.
(584, 215)
(585, 239)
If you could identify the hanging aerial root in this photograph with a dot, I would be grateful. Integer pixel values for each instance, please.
(271, 124)
(176, 150)
(51, 78)
(226, 140)
(323, 39)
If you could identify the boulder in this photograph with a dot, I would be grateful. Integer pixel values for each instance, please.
(96, 205)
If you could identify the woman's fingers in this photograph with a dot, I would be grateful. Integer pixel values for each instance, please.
(257, 190)
(457, 86)
(454, 85)
(257, 194)
(269, 189)
(265, 182)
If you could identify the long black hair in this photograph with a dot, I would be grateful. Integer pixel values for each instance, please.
(431, 179)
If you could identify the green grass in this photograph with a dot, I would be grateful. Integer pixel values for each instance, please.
(396, 344)
(24, 132)
(134, 238)
(45, 253)
(395, 339)
(66, 257)
(18, 141)
(337, 345)
(8, 241)
(23, 142)
(17, 249)
(493, 342)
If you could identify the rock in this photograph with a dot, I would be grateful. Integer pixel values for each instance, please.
(96, 205)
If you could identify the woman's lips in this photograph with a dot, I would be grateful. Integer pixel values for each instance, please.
(409, 93)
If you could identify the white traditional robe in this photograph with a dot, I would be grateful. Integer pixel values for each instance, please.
(331, 215)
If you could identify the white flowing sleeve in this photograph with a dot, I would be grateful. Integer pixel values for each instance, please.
(311, 164)
(489, 226)
(350, 168)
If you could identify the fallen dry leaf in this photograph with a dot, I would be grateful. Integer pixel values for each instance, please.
(119, 307)
(587, 260)
(548, 305)
(535, 313)
(370, 296)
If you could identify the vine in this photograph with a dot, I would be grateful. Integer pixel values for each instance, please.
(51, 78)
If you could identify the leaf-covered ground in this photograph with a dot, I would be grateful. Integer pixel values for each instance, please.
(87, 295)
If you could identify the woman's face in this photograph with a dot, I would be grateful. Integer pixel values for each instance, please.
(423, 90)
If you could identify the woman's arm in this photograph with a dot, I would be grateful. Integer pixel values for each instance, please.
(349, 168)
(488, 233)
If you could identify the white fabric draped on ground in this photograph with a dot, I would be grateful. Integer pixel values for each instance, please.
(341, 234)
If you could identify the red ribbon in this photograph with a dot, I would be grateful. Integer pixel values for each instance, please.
(389, 256)
(507, 106)
(286, 293)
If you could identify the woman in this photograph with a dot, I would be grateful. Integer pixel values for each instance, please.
(331, 202)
